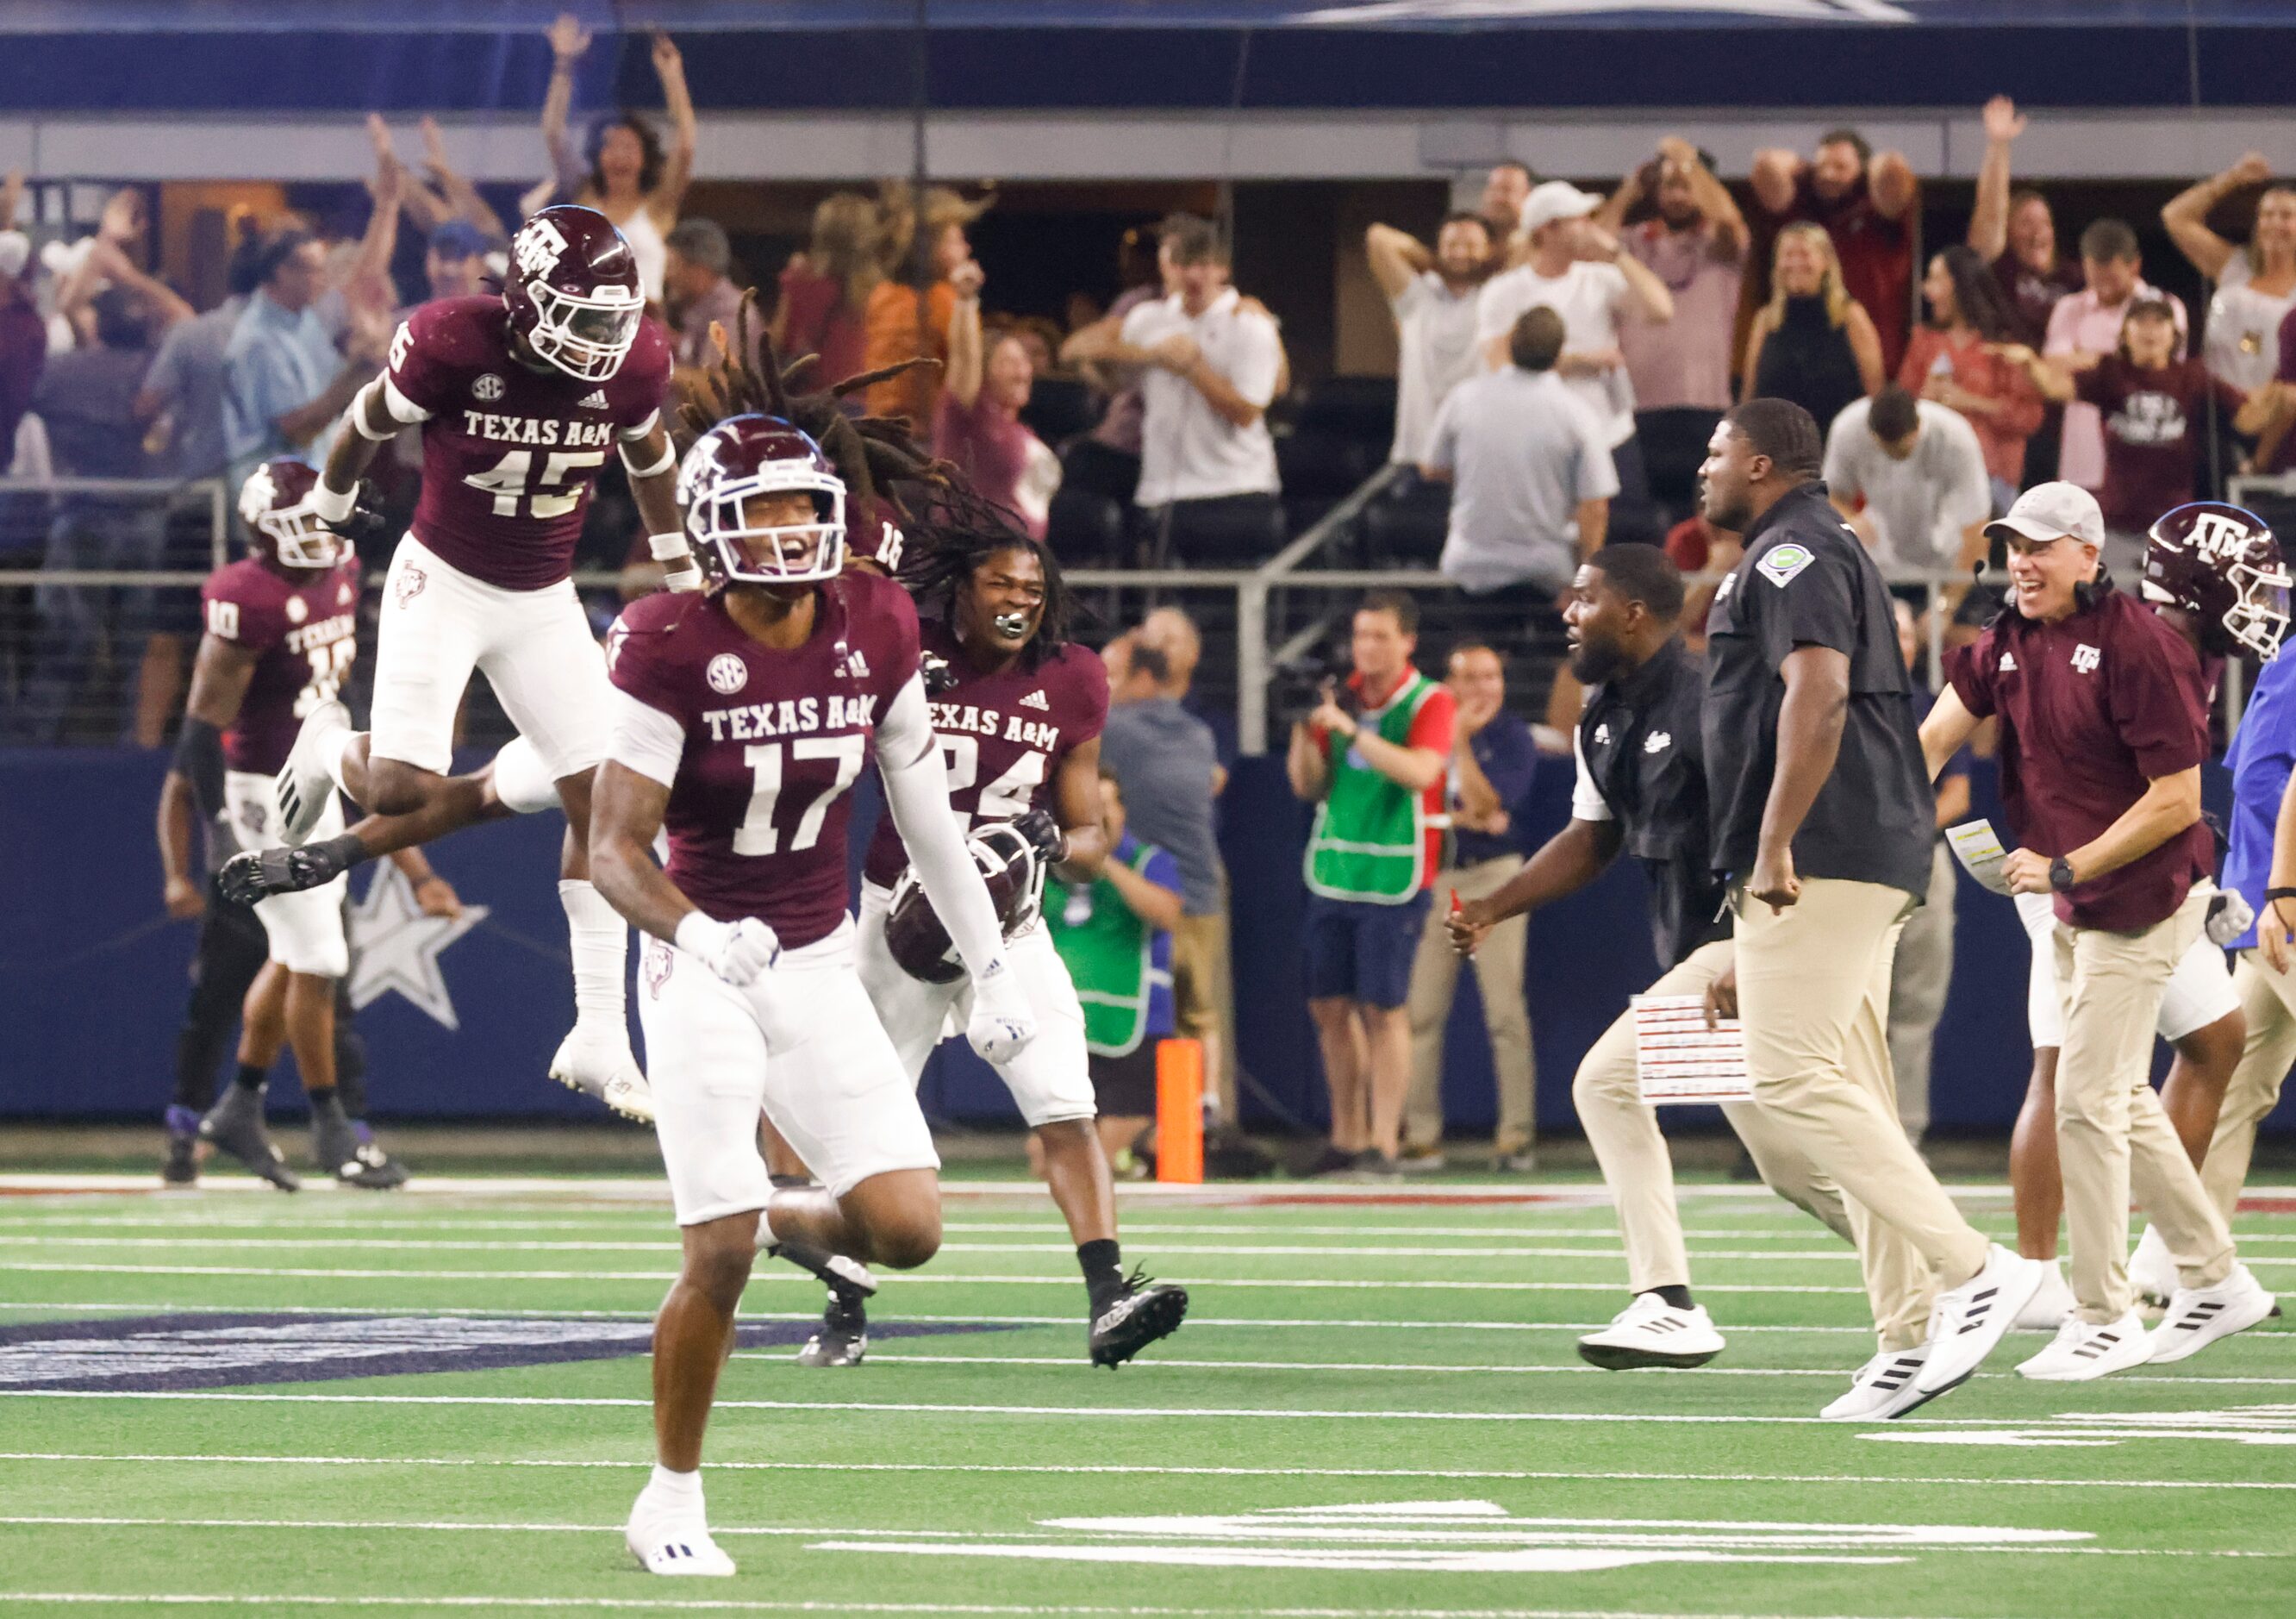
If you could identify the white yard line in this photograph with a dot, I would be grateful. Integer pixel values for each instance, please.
(1131, 1469)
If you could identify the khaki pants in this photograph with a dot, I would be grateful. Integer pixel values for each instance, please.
(1623, 1131)
(1204, 998)
(2268, 1001)
(1813, 995)
(1498, 972)
(2112, 1137)
(1918, 982)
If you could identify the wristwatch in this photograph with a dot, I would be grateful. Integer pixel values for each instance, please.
(2061, 873)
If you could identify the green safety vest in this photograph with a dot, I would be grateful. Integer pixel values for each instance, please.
(1110, 954)
(1370, 840)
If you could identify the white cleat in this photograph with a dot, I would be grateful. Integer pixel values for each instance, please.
(2052, 1302)
(670, 1546)
(1888, 1385)
(2083, 1350)
(1651, 1332)
(303, 788)
(2197, 1317)
(1967, 1322)
(604, 1068)
(2151, 1271)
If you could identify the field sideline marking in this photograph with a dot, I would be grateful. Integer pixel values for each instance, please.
(1225, 1413)
(660, 1277)
(922, 1538)
(761, 1604)
(1123, 1469)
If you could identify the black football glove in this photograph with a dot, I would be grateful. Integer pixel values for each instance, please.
(366, 525)
(1044, 834)
(938, 676)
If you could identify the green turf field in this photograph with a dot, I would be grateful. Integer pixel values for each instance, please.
(1376, 1410)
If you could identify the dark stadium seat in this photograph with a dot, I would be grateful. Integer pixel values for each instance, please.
(1404, 527)
(1084, 530)
(1059, 408)
(1358, 408)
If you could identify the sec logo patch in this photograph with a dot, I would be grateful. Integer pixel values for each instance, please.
(486, 388)
(727, 674)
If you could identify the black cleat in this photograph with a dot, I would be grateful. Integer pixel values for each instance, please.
(836, 1271)
(843, 1336)
(347, 1152)
(235, 1124)
(258, 873)
(1144, 1312)
(181, 1167)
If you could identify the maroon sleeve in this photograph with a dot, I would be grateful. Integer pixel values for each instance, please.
(1088, 680)
(2286, 372)
(2100, 385)
(1970, 670)
(425, 355)
(241, 604)
(891, 618)
(642, 657)
(638, 389)
(2153, 685)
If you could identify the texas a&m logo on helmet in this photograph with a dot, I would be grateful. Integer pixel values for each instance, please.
(2221, 564)
(275, 504)
(573, 291)
(728, 484)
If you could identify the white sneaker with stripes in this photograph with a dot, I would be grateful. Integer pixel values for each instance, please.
(1651, 1332)
(2083, 1350)
(1888, 1385)
(2197, 1317)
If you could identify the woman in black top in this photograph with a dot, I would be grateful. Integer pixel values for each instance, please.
(1812, 343)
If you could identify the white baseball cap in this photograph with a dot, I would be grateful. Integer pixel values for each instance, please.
(1554, 199)
(2052, 511)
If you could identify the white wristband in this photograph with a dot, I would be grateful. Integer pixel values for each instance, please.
(699, 935)
(669, 547)
(331, 505)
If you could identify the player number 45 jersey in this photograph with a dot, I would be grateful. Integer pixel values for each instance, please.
(510, 453)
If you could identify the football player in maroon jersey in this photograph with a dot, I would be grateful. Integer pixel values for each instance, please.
(1018, 709)
(739, 720)
(518, 398)
(282, 632)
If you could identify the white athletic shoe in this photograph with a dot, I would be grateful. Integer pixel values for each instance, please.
(1651, 1332)
(2082, 1350)
(2152, 1271)
(1967, 1322)
(2052, 1302)
(1888, 1385)
(2197, 1317)
(303, 788)
(672, 1546)
(598, 1066)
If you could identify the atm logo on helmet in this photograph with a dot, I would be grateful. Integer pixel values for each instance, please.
(538, 248)
(2219, 537)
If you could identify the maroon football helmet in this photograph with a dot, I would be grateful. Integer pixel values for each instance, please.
(275, 504)
(573, 292)
(741, 459)
(2221, 564)
(914, 934)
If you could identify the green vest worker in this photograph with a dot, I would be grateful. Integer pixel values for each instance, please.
(1371, 760)
(1115, 935)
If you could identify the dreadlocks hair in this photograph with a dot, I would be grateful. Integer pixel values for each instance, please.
(950, 529)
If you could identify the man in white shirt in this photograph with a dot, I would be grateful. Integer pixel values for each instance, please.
(1208, 484)
(1433, 296)
(1919, 469)
(1531, 477)
(1578, 269)
(2088, 323)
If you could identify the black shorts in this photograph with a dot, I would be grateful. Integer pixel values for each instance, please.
(1124, 1087)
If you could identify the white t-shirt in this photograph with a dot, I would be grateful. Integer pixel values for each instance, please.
(1522, 450)
(1436, 351)
(2242, 343)
(1919, 506)
(1588, 296)
(1189, 451)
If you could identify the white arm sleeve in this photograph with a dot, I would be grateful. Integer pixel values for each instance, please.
(1586, 801)
(916, 793)
(644, 739)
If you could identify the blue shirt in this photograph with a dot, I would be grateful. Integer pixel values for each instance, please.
(188, 375)
(2263, 753)
(1507, 755)
(1164, 760)
(277, 361)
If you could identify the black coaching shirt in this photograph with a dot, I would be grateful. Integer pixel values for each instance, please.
(1806, 581)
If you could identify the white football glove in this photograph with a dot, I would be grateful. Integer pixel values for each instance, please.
(2228, 919)
(739, 952)
(1002, 1025)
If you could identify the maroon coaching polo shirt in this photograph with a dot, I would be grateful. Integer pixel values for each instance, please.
(2092, 708)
